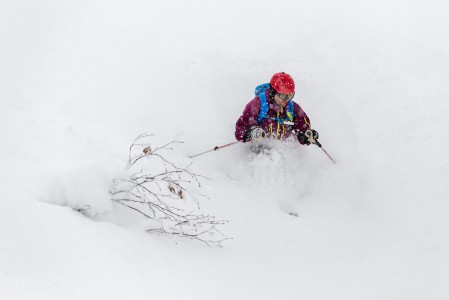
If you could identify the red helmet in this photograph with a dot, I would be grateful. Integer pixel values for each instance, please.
(283, 83)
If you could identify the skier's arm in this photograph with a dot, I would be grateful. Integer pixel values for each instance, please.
(302, 122)
(247, 119)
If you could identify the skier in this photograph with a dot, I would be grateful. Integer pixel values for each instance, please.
(273, 114)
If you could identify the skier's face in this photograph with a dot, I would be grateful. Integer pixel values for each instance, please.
(283, 99)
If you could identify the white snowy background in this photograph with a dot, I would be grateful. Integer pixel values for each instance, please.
(79, 80)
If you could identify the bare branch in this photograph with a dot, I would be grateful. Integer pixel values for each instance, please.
(161, 196)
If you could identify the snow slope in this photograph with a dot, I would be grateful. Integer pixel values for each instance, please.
(80, 80)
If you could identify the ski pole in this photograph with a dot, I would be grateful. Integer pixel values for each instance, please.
(214, 149)
(325, 152)
(311, 139)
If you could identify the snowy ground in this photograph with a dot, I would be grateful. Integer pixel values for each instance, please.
(80, 80)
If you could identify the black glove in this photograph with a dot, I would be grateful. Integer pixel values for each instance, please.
(254, 133)
(310, 136)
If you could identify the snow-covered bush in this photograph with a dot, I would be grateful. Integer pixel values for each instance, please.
(157, 190)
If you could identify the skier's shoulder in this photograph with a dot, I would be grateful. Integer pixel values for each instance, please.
(253, 106)
(255, 101)
(298, 109)
(296, 105)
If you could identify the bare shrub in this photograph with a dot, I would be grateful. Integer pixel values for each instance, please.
(157, 190)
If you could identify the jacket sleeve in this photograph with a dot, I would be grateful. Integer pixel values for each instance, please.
(248, 118)
(301, 120)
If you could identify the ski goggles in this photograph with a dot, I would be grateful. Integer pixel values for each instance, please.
(285, 97)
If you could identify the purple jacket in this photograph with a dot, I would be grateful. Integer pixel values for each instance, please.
(272, 127)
